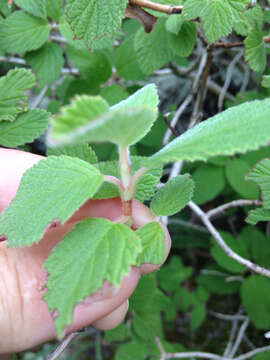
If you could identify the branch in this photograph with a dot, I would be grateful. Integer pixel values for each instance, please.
(250, 354)
(220, 209)
(239, 337)
(248, 264)
(167, 9)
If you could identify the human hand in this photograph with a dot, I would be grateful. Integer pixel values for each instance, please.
(25, 320)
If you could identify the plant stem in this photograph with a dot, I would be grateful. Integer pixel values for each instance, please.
(167, 9)
(125, 167)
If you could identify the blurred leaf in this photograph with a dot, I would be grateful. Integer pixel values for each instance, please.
(33, 7)
(254, 49)
(81, 151)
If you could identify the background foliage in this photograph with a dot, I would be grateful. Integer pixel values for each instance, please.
(210, 57)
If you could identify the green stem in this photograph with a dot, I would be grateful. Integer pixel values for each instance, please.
(125, 171)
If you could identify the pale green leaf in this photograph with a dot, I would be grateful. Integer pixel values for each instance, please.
(235, 130)
(21, 32)
(152, 50)
(146, 96)
(123, 127)
(260, 214)
(255, 295)
(261, 176)
(266, 81)
(52, 190)
(236, 170)
(81, 151)
(13, 99)
(33, 7)
(47, 63)
(83, 110)
(54, 9)
(108, 189)
(238, 7)
(255, 53)
(92, 19)
(217, 19)
(27, 127)
(193, 9)
(146, 187)
(173, 196)
(183, 43)
(174, 23)
(152, 236)
(95, 250)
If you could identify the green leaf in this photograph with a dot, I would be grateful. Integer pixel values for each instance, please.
(236, 170)
(227, 133)
(152, 50)
(95, 66)
(12, 93)
(21, 32)
(117, 334)
(217, 19)
(146, 96)
(153, 243)
(260, 249)
(209, 182)
(112, 248)
(174, 23)
(33, 7)
(81, 151)
(47, 63)
(83, 110)
(193, 8)
(255, 295)
(93, 19)
(255, 53)
(54, 9)
(53, 190)
(224, 260)
(122, 127)
(146, 187)
(113, 94)
(107, 189)
(198, 315)
(173, 196)
(131, 350)
(261, 176)
(183, 43)
(260, 214)
(266, 81)
(27, 127)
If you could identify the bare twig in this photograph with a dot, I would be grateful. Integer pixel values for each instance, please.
(62, 346)
(171, 128)
(239, 338)
(58, 38)
(252, 353)
(38, 99)
(231, 338)
(227, 317)
(168, 9)
(248, 264)
(220, 209)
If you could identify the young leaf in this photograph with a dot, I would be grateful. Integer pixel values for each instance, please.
(83, 110)
(21, 32)
(12, 93)
(193, 9)
(153, 244)
(146, 96)
(95, 250)
(53, 189)
(146, 187)
(174, 23)
(81, 151)
(173, 196)
(217, 19)
(235, 130)
(27, 127)
(46, 62)
(123, 127)
(255, 53)
(257, 215)
(54, 9)
(152, 49)
(261, 176)
(92, 19)
(33, 7)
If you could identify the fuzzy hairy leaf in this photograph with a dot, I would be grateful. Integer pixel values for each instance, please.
(217, 19)
(123, 127)
(92, 19)
(61, 184)
(33, 7)
(81, 151)
(255, 53)
(235, 130)
(21, 32)
(183, 43)
(82, 111)
(173, 196)
(152, 50)
(193, 8)
(153, 244)
(112, 248)
(54, 9)
(27, 127)
(12, 93)
(261, 176)
(47, 63)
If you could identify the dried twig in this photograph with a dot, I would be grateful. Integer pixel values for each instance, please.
(239, 338)
(168, 9)
(220, 209)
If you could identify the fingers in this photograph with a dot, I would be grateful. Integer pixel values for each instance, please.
(113, 319)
